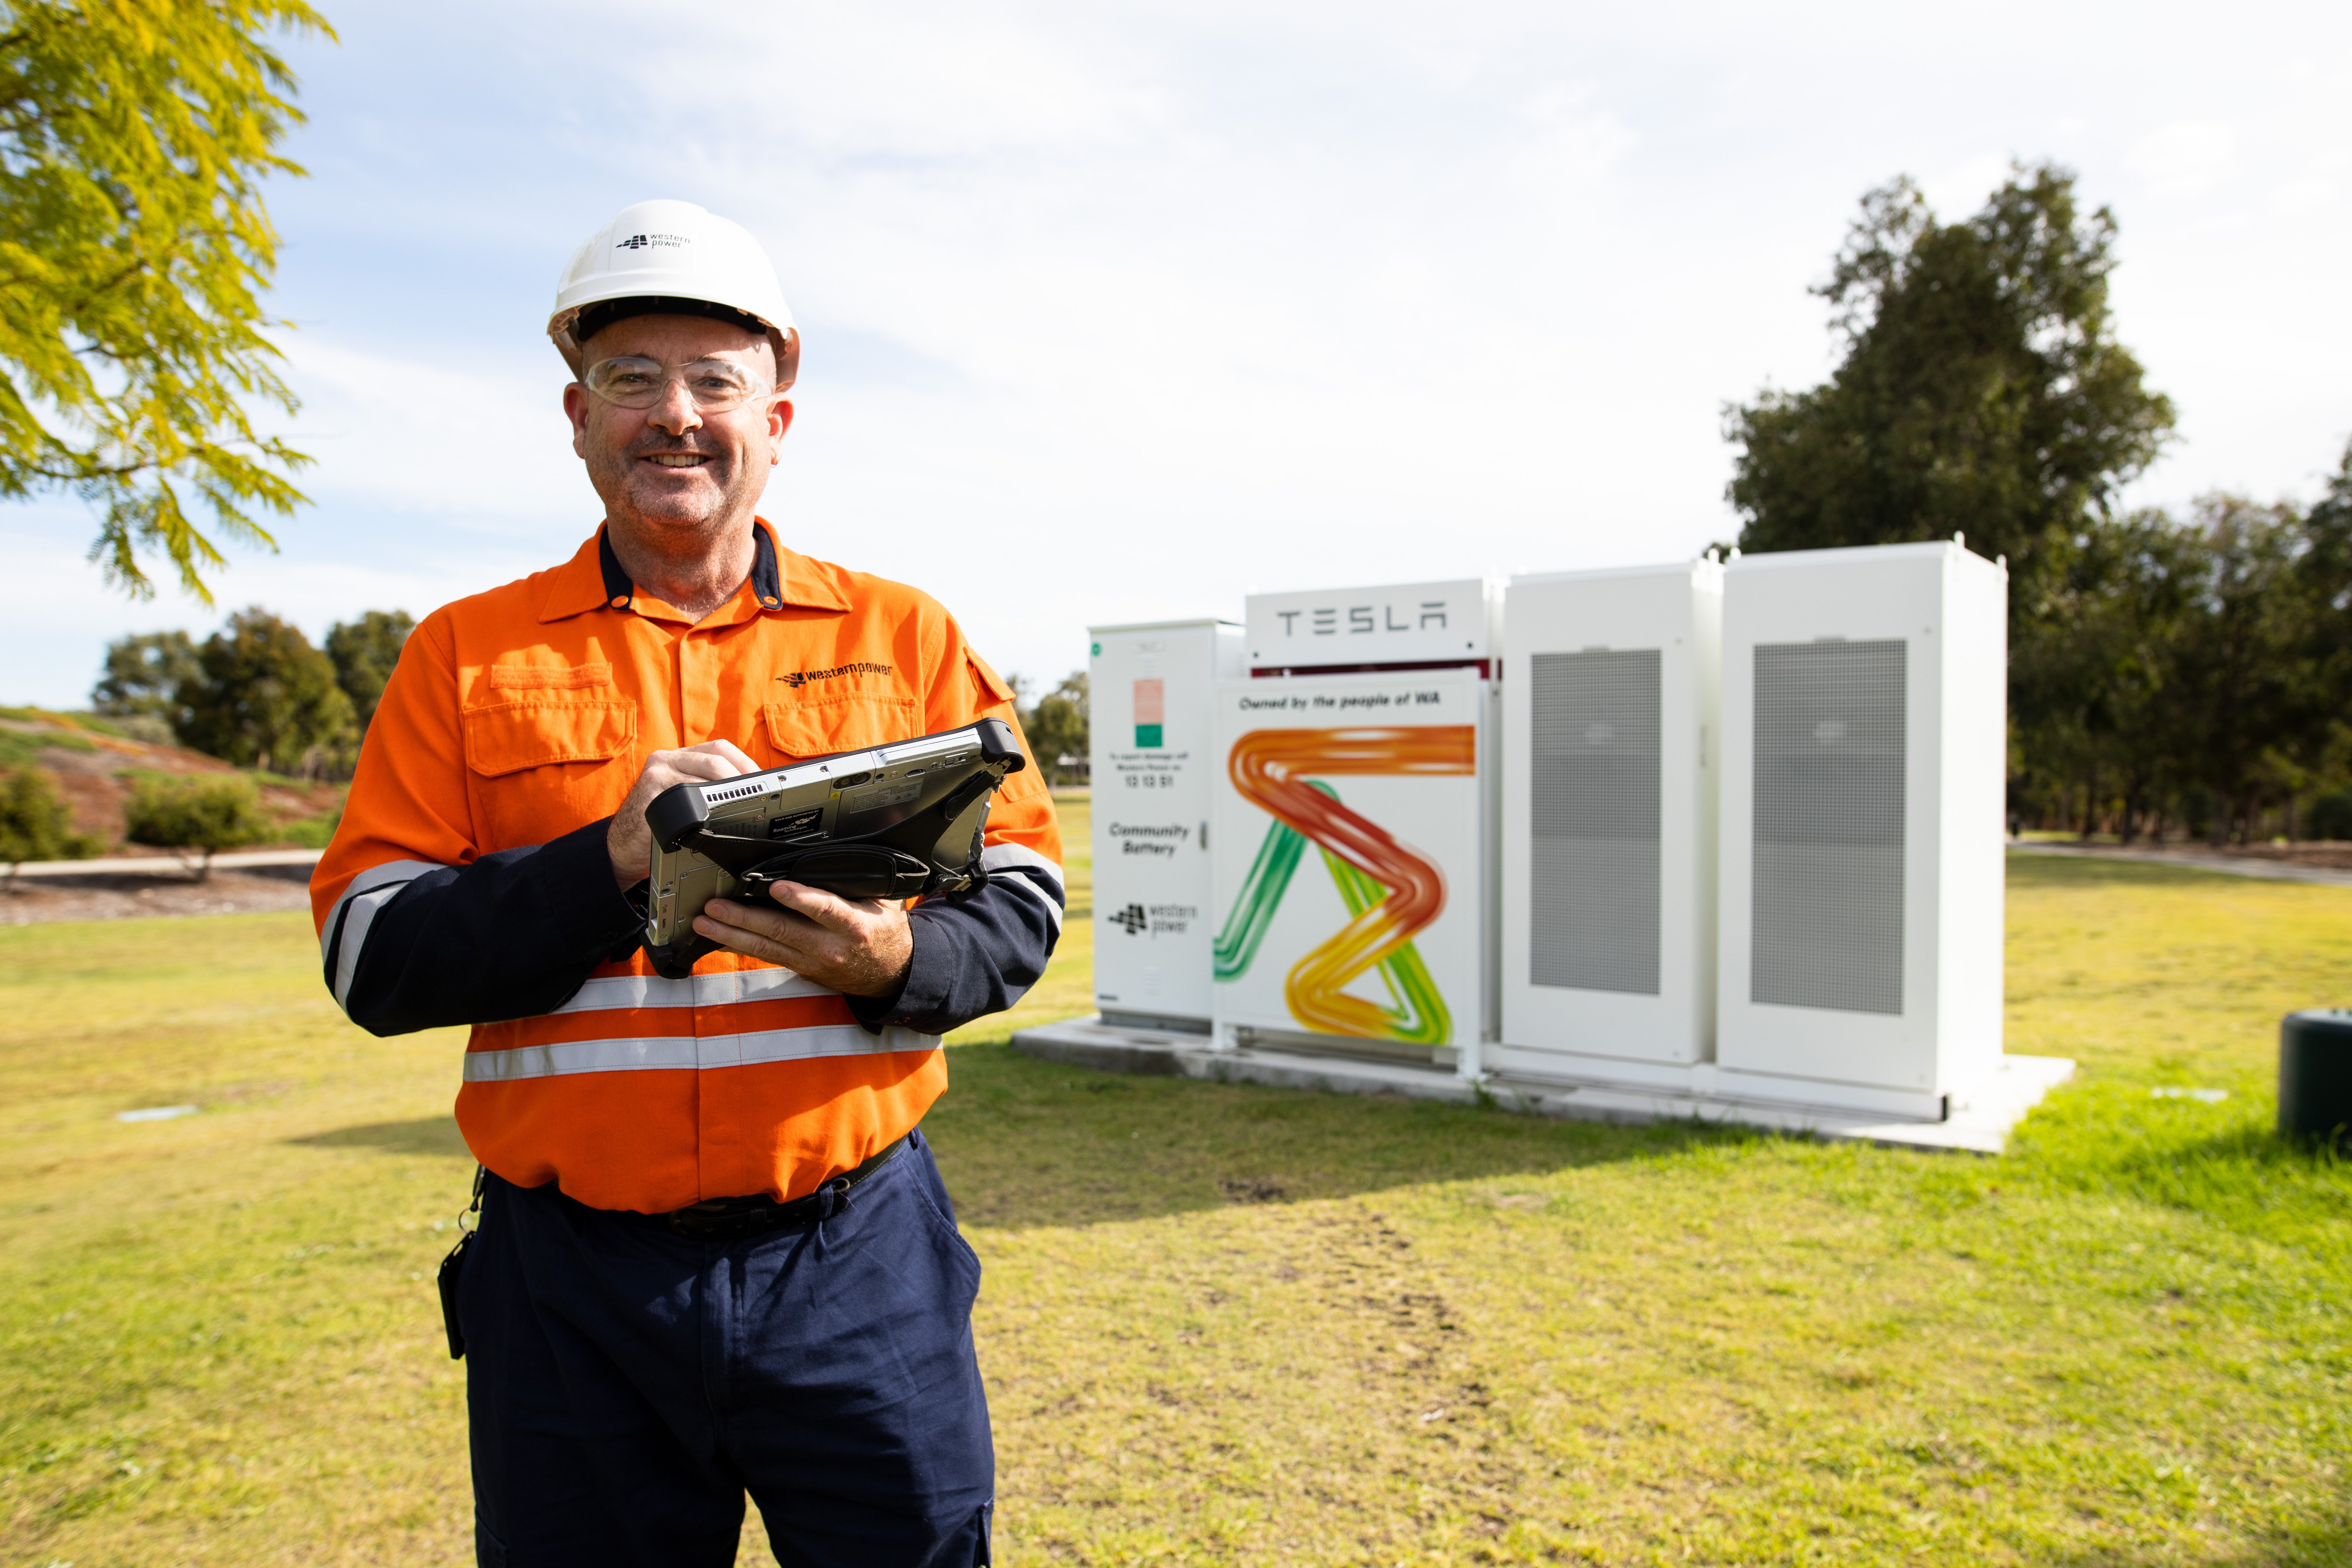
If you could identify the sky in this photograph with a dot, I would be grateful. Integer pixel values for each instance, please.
(1120, 313)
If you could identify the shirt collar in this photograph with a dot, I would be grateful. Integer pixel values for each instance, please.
(594, 577)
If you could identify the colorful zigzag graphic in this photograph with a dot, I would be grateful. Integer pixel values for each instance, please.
(1391, 891)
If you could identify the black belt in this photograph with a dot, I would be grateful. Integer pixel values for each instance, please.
(731, 1219)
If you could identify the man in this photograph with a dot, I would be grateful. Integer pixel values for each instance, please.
(715, 1254)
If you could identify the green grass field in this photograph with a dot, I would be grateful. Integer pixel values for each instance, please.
(1228, 1325)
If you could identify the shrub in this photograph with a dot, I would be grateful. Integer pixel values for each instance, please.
(35, 824)
(211, 812)
(2331, 816)
(146, 727)
(315, 832)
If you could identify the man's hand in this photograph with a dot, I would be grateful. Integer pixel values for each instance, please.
(629, 841)
(860, 947)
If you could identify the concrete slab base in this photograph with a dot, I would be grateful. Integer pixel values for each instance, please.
(1979, 1126)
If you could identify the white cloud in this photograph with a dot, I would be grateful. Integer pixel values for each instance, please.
(1960, 189)
(2186, 158)
(1111, 311)
(2303, 196)
(446, 434)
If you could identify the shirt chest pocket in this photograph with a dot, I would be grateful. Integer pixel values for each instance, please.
(543, 767)
(849, 722)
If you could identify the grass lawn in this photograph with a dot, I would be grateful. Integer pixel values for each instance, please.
(1225, 1324)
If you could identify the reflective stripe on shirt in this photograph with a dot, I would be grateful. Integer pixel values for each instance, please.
(694, 990)
(344, 934)
(683, 1052)
(1024, 868)
(681, 1024)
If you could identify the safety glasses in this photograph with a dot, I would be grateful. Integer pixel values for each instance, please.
(714, 385)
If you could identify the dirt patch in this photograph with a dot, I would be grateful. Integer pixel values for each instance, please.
(172, 890)
(1253, 1189)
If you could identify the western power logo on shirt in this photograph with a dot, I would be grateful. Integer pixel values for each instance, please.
(803, 678)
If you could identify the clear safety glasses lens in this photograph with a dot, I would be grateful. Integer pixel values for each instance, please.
(715, 386)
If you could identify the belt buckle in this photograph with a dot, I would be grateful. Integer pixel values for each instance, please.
(695, 1223)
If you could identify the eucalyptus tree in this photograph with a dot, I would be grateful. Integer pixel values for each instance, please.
(1982, 389)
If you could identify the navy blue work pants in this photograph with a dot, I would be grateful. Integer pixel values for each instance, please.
(627, 1386)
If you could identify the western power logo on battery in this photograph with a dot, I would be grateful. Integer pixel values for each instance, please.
(802, 678)
(1391, 893)
(1170, 920)
(642, 241)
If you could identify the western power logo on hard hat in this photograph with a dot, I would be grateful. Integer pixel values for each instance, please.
(640, 241)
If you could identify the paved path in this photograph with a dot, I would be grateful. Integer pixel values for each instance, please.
(159, 865)
(2196, 860)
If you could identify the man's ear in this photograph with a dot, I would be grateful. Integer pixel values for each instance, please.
(575, 409)
(780, 419)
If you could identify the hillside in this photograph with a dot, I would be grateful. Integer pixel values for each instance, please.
(91, 761)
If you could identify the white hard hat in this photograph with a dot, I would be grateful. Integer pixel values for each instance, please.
(674, 251)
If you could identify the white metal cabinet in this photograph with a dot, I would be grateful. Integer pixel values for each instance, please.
(1152, 700)
(1864, 740)
(1611, 738)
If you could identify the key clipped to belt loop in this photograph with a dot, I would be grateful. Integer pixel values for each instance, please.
(454, 1265)
(473, 1210)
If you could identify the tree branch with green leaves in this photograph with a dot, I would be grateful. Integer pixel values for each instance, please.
(135, 137)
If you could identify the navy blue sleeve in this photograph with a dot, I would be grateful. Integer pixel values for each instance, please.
(416, 946)
(979, 956)
(412, 945)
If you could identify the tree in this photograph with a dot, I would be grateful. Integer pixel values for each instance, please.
(263, 697)
(2200, 664)
(364, 653)
(2250, 706)
(134, 139)
(210, 812)
(2094, 676)
(142, 678)
(1982, 389)
(35, 824)
(2326, 571)
(1056, 728)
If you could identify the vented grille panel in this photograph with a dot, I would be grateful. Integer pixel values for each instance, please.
(1828, 904)
(1594, 924)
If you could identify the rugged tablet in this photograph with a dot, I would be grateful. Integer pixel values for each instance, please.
(892, 822)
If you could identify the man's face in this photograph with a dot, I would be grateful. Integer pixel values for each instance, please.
(673, 473)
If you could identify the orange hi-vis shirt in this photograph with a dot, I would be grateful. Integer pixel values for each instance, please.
(525, 714)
